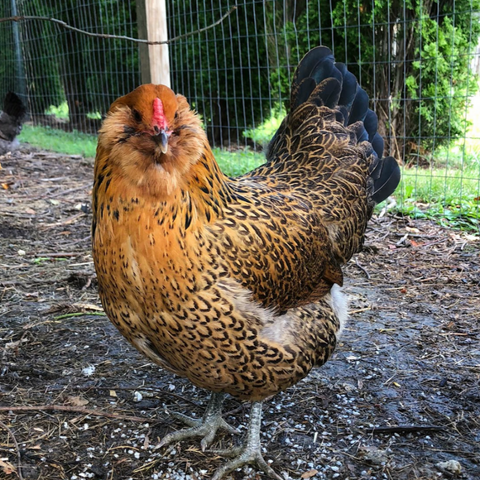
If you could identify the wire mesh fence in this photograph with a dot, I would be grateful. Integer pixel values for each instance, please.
(418, 61)
(51, 66)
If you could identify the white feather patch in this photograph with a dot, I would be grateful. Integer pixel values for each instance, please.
(339, 303)
(281, 328)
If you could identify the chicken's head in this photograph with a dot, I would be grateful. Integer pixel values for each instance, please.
(153, 137)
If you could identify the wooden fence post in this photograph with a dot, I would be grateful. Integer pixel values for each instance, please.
(21, 86)
(152, 25)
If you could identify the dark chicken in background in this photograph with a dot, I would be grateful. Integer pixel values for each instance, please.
(11, 119)
(234, 283)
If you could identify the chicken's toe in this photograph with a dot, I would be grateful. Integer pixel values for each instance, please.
(248, 456)
(250, 453)
(205, 427)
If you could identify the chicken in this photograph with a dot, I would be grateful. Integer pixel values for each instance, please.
(11, 120)
(235, 283)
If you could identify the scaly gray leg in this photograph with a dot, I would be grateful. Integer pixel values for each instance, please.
(206, 427)
(250, 452)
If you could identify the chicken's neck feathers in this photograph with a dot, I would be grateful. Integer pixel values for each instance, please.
(199, 199)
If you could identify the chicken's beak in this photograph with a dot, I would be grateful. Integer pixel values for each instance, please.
(161, 137)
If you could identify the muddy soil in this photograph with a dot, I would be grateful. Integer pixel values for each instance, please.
(400, 399)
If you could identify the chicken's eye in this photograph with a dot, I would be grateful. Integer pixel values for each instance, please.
(176, 116)
(136, 115)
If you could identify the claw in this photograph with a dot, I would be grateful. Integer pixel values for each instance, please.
(248, 456)
(250, 452)
(206, 427)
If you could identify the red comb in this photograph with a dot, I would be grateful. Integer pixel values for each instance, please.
(158, 114)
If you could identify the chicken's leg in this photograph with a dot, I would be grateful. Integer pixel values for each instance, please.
(251, 451)
(206, 427)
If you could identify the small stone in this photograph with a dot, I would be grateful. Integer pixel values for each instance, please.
(88, 371)
(374, 455)
(451, 466)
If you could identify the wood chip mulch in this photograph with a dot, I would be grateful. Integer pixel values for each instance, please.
(400, 399)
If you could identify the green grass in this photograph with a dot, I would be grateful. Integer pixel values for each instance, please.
(448, 195)
(237, 162)
(449, 189)
(446, 186)
(71, 143)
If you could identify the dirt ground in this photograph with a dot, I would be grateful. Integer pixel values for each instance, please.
(400, 399)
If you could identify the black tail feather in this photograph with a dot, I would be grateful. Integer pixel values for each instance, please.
(371, 124)
(386, 177)
(378, 144)
(316, 65)
(349, 88)
(321, 81)
(359, 109)
(311, 61)
(326, 69)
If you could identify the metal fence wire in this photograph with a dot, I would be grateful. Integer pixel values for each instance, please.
(418, 61)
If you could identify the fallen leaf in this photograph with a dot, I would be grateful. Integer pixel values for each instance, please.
(77, 401)
(16, 344)
(309, 474)
(7, 467)
(113, 393)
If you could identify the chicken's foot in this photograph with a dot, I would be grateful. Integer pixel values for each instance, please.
(206, 427)
(250, 452)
